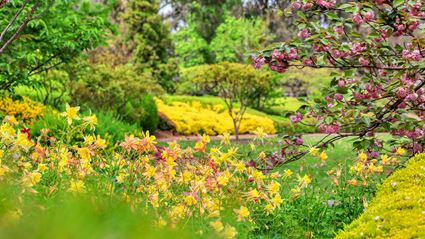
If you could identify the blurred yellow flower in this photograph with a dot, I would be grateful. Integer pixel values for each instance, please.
(71, 113)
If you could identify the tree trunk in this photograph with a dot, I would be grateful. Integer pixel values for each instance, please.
(235, 126)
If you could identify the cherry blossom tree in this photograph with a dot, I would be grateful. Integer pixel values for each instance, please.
(378, 49)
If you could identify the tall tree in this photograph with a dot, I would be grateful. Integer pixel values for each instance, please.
(149, 40)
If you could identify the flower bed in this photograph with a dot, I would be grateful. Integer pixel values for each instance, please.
(194, 118)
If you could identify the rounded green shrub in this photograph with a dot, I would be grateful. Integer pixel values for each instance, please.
(398, 209)
(142, 112)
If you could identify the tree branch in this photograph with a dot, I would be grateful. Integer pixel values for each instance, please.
(21, 27)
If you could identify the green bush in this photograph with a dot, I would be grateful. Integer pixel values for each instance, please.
(398, 209)
(142, 112)
(111, 128)
(51, 120)
(108, 126)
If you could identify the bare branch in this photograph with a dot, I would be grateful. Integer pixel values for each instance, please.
(23, 25)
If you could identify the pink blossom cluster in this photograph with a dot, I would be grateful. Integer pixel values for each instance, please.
(326, 4)
(296, 118)
(298, 5)
(371, 91)
(359, 18)
(280, 59)
(415, 9)
(332, 128)
(417, 133)
(414, 55)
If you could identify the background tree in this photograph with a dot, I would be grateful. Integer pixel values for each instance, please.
(239, 85)
(56, 35)
(149, 41)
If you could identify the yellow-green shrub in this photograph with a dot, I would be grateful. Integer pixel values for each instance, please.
(194, 118)
(23, 110)
(398, 210)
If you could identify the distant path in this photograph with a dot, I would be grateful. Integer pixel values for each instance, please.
(167, 136)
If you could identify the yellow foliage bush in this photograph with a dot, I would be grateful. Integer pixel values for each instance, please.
(398, 210)
(23, 110)
(193, 118)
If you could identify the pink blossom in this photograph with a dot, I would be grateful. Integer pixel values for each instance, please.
(279, 67)
(341, 83)
(338, 29)
(278, 55)
(416, 55)
(412, 97)
(296, 5)
(308, 62)
(401, 93)
(304, 34)
(357, 19)
(363, 61)
(293, 54)
(338, 97)
(369, 16)
(333, 128)
(257, 62)
(296, 118)
(307, 6)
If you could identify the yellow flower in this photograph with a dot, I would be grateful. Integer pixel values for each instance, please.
(313, 151)
(253, 194)
(32, 179)
(262, 155)
(71, 113)
(150, 171)
(189, 200)
(269, 207)
(239, 166)
(91, 120)
(186, 176)
(385, 159)
(42, 167)
(178, 211)
(400, 151)
(225, 138)
(77, 186)
(100, 143)
(229, 232)
(259, 134)
(323, 156)
(150, 139)
(217, 226)
(304, 181)
(277, 200)
(362, 156)
(242, 213)
(223, 179)
(205, 138)
(199, 146)
(287, 173)
(273, 187)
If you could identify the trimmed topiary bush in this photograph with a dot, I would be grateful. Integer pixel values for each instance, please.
(398, 210)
